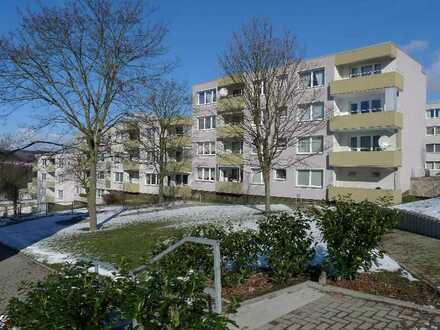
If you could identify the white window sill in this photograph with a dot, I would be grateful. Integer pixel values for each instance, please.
(309, 187)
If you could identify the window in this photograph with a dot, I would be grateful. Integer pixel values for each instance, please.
(354, 108)
(433, 113)
(314, 111)
(282, 143)
(309, 178)
(99, 193)
(119, 176)
(101, 175)
(433, 130)
(233, 146)
(366, 70)
(378, 68)
(207, 122)
(206, 148)
(60, 194)
(355, 72)
(206, 174)
(365, 106)
(43, 176)
(376, 105)
(432, 165)
(230, 174)
(207, 96)
(310, 144)
(433, 147)
(280, 174)
(151, 179)
(314, 78)
(257, 176)
(365, 143)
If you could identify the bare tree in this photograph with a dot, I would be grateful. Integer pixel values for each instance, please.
(160, 116)
(81, 61)
(267, 72)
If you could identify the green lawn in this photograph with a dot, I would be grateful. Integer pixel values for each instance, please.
(132, 243)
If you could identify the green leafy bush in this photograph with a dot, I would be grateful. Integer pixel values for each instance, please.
(72, 299)
(285, 240)
(162, 301)
(78, 299)
(353, 232)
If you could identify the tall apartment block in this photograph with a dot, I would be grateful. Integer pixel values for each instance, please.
(126, 164)
(432, 139)
(370, 148)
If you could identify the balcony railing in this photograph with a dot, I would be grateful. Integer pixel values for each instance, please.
(229, 131)
(179, 167)
(130, 165)
(382, 51)
(360, 194)
(236, 188)
(234, 159)
(365, 83)
(383, 159)
(231, 104)
(362, 121)
(131, 187)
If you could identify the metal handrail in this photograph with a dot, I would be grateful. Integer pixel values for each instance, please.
(216, 294)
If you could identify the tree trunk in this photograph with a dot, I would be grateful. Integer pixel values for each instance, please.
(266, 179)
(161, 177)
(91, 196)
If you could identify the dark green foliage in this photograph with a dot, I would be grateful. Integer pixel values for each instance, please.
(78, 299)
(284, 239)
(72, 299)
(353, 232)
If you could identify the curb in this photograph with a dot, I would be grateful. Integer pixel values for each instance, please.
(371, 297)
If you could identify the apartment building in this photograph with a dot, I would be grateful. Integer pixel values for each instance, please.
(370, 148)
(125, 164)
(432, 139)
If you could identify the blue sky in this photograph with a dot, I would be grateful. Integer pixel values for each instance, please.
(200, 30)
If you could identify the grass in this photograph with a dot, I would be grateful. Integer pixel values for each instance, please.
(419, 254)
(131, 244)
(411, 198)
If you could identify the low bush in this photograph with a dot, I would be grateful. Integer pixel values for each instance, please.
(353, 232)
(74, 299)
(78, 299)
(114, 198)
(284, 238)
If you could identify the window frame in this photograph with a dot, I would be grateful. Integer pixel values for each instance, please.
(117, 175)
(358, 143)
(310, 145)
(310, 74)
(204, 91)
(310, 178)
(256, 171)
(212, 121)
(210, 170)
(211, 148)
(151, 175)
(278, 178)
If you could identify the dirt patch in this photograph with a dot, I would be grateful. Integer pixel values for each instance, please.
(392, 285)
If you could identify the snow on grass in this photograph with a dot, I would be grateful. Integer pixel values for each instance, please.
(429, 207)
(37, 237)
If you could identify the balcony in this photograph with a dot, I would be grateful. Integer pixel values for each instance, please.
(108, 184)
(231, 104)
(50, 168)
(130, 165)
(179, 167)
(365, 121)
(236, 188)
(382, 159)
(366, 83)
(229, 131)
(183, 192)
(179, 141)
(131, 187)
(227, 159)
(50, 199)
(360, 194)
(383, 51)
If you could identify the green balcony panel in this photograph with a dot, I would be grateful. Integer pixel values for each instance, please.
(230, 159)
(227, 81)
(179, 167)
(374, 120)
(179, 141)
(50, 168)
(130, 165)
(386, 50)
(236, 188)
(366, 159)
(131, 187)
(360, 194)
(231, 104)
(50, 199)
(181, 192)
(50, 184)
(229, 131)
(366, 83)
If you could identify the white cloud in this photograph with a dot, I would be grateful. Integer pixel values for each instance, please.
(416, 45)
(433, 73)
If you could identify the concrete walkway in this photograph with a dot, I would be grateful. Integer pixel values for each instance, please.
(312, 306)
(14, 269)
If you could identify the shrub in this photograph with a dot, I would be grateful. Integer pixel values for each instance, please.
(160, 300)
(78, 299)
(284, 239)
(114, 198)
(353, 232)
(74, 299)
